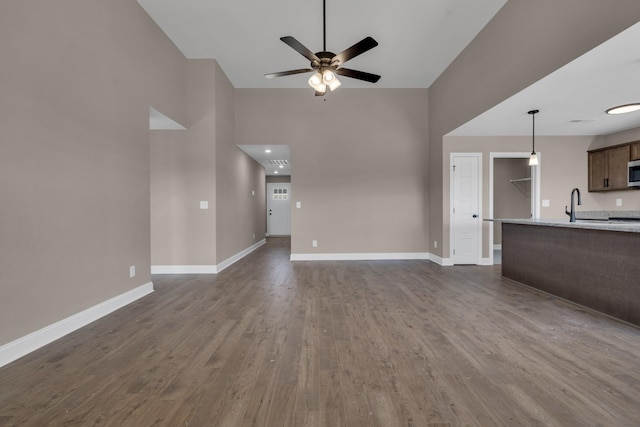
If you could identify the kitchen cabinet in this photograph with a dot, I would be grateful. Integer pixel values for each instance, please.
(635, 151)
(608, 168)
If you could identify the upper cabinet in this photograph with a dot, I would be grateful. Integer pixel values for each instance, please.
(635, 150)
(608, 168)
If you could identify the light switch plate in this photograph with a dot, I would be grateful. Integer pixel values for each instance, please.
(545, 203)
(204, 204)
(618, 202)
(132, 271)
(298, 205)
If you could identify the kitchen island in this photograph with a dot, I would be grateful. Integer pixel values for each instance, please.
(593, 263)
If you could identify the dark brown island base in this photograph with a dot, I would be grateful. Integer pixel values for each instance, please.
(594, 265)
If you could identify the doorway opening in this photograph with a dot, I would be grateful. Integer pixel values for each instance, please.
(514, 192)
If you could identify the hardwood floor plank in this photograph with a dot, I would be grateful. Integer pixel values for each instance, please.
(269, 342)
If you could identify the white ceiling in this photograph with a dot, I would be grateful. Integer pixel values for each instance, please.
(417, 39)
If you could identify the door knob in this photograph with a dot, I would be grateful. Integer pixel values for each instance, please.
(475, 216)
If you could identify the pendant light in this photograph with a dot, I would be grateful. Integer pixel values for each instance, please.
(533, 159)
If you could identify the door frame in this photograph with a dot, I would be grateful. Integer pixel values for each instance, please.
(451, 200)
(535, 188)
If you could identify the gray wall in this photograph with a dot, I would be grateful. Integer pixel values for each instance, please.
(524, 42)
(77, 81)
(183, 174)
(198, 164)
(358, 164)
(240, 214)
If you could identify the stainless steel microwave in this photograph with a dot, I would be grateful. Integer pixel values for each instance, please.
(634, 174)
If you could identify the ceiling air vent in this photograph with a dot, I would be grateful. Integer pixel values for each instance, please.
(278, 162)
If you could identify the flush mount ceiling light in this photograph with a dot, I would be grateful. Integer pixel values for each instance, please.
(326, 65)
(621, 109)
(533, 159)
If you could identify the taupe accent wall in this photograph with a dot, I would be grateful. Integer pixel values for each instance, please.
(358, 164)
(523, 43)
(77, 81)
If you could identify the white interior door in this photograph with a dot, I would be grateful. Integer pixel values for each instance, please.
(466, 221)
(279, 209)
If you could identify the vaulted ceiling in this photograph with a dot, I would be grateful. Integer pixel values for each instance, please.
(417, 39)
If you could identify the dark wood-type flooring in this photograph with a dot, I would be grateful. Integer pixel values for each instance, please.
(268, 342)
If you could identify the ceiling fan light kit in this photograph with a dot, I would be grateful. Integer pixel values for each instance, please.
(326, 65)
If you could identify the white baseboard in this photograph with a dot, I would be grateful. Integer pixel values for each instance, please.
(205, 269)
(33, 341)
(486, 261)
(237, 257)
(360, 256)
(445, 262)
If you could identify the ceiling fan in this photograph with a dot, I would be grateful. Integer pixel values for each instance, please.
(327, 64)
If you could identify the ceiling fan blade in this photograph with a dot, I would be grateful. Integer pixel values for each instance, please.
(359, 48)
(300, 48)
(360, 75)
(289, 73)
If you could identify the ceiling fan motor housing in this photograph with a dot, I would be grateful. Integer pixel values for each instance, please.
(326, 61)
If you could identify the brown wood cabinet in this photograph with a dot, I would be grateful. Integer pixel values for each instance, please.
(608, 168)
(635, 151)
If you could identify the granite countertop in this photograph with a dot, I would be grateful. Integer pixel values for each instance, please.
(590, 224)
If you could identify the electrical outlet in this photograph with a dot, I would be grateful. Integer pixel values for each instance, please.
(298, 205)
(435, 243)
(254, 236)
(314, 243)
(618, 202)
(253, 192)
(132, 271)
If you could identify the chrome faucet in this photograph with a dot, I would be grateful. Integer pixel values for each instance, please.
(572, 214)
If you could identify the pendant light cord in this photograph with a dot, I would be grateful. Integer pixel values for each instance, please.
(533, 132)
